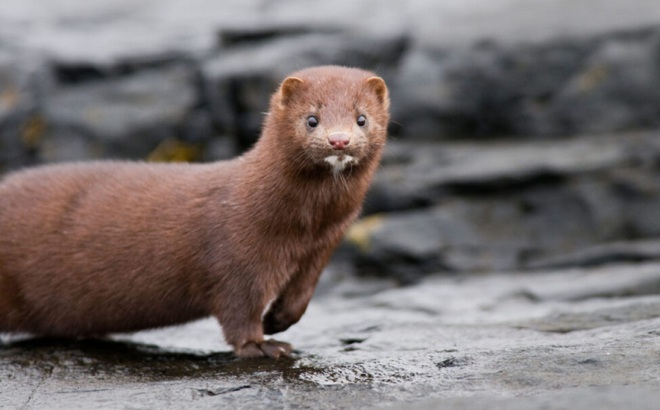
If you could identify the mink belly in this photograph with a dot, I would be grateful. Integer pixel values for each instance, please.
(112, 316)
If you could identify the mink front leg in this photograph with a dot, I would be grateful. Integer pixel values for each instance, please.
(292, 301)
(240, 318)
(287, 309)
(248, 339)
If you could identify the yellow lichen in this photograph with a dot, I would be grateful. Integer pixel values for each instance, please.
(32, 132)
(9, 98)
(591, 78)
(173, 150)
(360, 232)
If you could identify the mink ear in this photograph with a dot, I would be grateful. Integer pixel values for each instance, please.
(289, 87)
(377, 85)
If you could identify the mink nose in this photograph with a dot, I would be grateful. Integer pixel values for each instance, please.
(339, 140)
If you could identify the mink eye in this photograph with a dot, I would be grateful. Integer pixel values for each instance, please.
(361, 120)
(312, 121)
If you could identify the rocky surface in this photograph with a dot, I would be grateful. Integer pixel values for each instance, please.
(508, 254)
(588, 337)
(509, 205)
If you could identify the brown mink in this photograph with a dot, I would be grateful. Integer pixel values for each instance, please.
(100, 247)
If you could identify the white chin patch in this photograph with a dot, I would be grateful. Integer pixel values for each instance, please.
(339, 165)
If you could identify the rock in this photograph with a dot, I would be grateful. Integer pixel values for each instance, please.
(592, 319)
(640, 194)
(610, 92)
(23, 80)
(441, 25)
(633, 251)
(488, 90)
(124, 117)
(110, 37)
(604, 282)
(267, 31)
(462, 207)
(559, 87)
(473, 234)
(418, 174)
(595, 397)
(60, 144)
(221, 148)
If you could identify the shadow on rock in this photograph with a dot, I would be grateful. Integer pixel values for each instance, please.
(107, 358)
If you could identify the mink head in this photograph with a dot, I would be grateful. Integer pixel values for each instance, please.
(330, 119)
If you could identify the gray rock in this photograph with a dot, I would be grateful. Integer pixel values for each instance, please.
(61, 144)
(596, 397)
(560, 87)
(633, 251)
(220, 148)
(254, 33)
(611, 90)
(109, 36)
(640, 194)
(23, 80)
(416, 174)
(126, 117)
(565, 322)
(605, 282)
(473, 234)
(483, 91)
(65, 31)
(448, 24)
(508, 205)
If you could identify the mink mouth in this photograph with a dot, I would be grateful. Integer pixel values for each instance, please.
(340, 162)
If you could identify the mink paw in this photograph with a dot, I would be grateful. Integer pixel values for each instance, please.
(267, 348)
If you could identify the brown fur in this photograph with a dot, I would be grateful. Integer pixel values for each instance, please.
(100, 247)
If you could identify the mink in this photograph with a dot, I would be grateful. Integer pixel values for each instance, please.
(91, 248)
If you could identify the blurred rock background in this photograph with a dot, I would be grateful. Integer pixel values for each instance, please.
(525, 133)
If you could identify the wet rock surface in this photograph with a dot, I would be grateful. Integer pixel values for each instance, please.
(585, 336)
